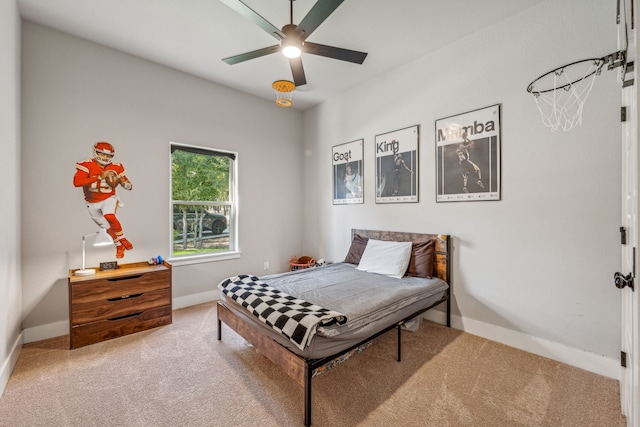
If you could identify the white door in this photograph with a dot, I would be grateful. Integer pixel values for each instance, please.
(629, 395)
(628, 392)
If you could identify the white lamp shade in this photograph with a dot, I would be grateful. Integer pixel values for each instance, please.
(102, 238)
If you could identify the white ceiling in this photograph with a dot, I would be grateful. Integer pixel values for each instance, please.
(194, 35)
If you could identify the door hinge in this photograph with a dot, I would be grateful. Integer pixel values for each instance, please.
(623, 359)
(628, 74)
(623, 114)
(623, 236)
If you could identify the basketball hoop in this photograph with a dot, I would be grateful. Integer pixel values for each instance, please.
(560, 94)
(284, 89)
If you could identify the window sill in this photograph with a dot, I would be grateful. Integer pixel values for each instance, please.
(199, 259)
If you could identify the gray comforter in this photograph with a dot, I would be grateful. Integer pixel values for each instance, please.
(362, 297)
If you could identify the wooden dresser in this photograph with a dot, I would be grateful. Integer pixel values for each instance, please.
(113, 303)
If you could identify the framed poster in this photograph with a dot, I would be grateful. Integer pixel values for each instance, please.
(468, 156)
(347, 173)
(397, 166)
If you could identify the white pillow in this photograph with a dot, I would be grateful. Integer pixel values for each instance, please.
(388, 258)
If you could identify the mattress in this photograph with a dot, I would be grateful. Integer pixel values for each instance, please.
(371, 302)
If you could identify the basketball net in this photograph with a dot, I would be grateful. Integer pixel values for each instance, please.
(561, 105)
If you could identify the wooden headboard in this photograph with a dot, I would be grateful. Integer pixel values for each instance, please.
(442, 262)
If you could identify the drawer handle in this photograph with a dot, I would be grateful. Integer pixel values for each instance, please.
(115, 279)
(125, 297)
(125, 316)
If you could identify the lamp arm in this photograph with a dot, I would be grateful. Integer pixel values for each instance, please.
(83, 252)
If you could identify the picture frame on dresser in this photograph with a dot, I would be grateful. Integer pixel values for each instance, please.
(114, 303)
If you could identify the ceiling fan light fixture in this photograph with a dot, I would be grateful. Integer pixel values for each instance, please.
(291, 51)
(284, 89)
(291, 48)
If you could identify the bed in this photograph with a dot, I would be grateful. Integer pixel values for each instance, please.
(352, 306)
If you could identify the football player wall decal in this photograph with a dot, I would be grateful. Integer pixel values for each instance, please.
(99, 177)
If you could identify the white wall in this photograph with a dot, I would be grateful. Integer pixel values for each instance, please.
(540, 262)
(10, 290)
(76, 93)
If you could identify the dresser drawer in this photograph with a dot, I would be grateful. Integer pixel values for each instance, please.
(119, 306)
(103, 330)
(120, 286)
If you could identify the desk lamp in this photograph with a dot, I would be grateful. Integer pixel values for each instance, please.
(101, 239)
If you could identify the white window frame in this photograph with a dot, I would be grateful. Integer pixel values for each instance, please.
(234, 251)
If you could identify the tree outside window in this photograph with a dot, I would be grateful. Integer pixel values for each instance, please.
(202, 201)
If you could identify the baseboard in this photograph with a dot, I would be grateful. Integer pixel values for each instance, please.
(43, 332)
(195, 299)
(10, 363)
(591, 362)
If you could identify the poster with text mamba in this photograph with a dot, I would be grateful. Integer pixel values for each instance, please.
(468, 156)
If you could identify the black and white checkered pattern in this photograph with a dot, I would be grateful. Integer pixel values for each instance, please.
(294, 318)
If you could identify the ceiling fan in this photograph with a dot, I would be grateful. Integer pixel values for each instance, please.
(293, 37)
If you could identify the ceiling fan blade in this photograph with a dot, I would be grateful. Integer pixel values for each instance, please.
(251, 55)
(335, 52)
(297, 71)
(245, 11)
(316, 16)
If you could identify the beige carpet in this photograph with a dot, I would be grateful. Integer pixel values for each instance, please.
(180, 375)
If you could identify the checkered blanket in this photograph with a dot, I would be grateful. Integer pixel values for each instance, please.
(294, 318)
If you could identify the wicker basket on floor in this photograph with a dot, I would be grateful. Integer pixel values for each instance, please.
(301, 263)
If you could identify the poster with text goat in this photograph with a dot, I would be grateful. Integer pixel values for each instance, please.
(468, 156)
(347, 173)
(397, 166)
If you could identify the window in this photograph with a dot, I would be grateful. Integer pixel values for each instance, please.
(203, 203)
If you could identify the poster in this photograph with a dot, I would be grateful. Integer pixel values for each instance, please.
(397, 166)
(468, 156)
(347, 173)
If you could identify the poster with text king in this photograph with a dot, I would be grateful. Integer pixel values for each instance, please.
(397, 166)
(347, 173)
(468, 156)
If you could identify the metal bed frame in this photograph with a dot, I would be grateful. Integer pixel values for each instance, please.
(303, 369)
